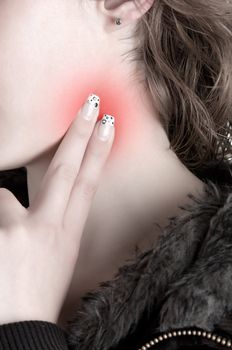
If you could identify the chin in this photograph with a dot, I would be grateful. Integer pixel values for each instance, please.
(10, 166)
(11, 160)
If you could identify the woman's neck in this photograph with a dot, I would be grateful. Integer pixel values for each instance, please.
(137, 125)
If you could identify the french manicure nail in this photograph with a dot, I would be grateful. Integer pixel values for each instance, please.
(90, 107)
(106, 127)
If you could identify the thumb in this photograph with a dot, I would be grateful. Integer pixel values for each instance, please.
(10, 207)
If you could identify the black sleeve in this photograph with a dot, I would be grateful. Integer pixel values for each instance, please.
(33, 335)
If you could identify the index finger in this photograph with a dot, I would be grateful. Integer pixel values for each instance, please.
(51, 199)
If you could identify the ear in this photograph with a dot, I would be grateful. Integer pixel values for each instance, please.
(128, 10)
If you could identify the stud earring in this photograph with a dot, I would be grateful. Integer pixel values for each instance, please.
(118, 21)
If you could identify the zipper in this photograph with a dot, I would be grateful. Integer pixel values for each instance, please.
(185, 332)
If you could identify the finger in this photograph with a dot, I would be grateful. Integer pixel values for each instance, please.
(52, 197)
(88, 179)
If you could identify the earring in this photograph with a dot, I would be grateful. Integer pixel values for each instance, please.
(118, 21)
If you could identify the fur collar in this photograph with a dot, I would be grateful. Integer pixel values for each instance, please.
(185, 279)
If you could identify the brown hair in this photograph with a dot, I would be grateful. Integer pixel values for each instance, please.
(185, 49)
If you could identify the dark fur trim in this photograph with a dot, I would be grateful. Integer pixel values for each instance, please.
(185, 275)
(203, 295)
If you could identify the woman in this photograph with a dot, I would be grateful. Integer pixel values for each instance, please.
(160, 69)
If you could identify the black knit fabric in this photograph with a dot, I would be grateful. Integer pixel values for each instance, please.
(32, 335)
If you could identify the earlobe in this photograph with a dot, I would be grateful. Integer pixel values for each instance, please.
(128, 10)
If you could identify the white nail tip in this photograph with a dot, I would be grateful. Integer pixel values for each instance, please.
(107, 119)
(94, 100)
(106, 127)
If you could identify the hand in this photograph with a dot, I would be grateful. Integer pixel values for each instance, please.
(39, 245)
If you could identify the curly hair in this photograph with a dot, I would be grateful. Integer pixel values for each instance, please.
(184, 48)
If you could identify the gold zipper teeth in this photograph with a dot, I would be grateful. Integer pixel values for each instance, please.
(216, 338)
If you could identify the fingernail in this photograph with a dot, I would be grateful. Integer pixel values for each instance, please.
(90, 107)
(106, 126)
